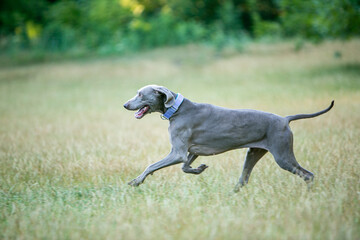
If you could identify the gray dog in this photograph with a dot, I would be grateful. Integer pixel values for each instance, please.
(203, 129)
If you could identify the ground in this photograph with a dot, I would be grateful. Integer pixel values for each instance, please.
(68, 147)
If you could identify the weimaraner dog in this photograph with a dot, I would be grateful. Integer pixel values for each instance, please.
(198, 129)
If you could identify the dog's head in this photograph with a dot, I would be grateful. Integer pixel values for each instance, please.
(151, 98)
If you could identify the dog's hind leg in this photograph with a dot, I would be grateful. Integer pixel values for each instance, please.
(188, 169)
(289, 163)
(285, 158)
(252, 157)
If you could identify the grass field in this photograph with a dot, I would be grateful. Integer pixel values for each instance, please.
(68, 147)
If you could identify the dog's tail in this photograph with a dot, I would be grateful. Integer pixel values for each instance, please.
(301, 116)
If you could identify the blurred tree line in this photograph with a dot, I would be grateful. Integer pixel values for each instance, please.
(118, 26)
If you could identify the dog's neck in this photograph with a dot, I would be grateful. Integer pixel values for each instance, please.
(169, 112)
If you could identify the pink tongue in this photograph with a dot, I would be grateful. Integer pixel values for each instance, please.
(139, 114)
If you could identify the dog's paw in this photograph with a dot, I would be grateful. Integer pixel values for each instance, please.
(201, 168)
(237, 188)
(135, 182)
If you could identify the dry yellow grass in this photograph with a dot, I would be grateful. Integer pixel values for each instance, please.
(68, 148)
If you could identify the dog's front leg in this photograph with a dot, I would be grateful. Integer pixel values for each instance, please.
(174, 157)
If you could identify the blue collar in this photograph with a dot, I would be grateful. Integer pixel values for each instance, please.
(170, 111)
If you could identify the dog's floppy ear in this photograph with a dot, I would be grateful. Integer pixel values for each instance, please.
(170, 100)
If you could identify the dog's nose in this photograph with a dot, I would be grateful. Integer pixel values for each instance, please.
(126, 105)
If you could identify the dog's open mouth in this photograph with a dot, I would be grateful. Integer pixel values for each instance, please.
(142, 111)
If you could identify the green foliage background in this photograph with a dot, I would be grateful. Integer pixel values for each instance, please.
(120, 26)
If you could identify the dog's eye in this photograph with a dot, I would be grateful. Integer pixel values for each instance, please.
(140, 94)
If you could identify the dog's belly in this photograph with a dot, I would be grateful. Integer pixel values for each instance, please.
(206, 150)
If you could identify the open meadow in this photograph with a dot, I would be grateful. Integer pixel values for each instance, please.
(68, 147)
